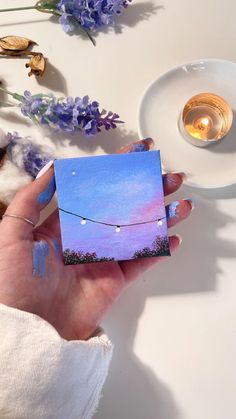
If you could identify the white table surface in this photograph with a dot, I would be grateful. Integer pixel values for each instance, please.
(175, 330)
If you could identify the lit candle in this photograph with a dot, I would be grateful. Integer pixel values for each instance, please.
(206, 119)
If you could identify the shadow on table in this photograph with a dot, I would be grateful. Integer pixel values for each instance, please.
(134, 14)
(53, 79)
(132, 389)
(25, 22)
(109, 141)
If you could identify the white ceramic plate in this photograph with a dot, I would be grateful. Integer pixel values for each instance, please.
(159, 112)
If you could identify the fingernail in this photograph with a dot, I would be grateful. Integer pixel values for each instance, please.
(149, 140)
(191, 203)
(179, 238)
(181, 174)
(45, 169)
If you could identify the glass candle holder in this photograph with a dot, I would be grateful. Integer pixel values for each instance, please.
(205, 119)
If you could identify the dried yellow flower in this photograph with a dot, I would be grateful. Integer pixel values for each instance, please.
(37, 65)
(15, 43)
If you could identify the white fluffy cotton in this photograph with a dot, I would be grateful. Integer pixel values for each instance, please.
(11, 180)
(3, 139)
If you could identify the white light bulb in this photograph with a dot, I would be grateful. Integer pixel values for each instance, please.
(159, 223)
(83, 222)
(117, 229)
(74, 173)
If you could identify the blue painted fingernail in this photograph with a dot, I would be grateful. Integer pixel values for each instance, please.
(48, 193)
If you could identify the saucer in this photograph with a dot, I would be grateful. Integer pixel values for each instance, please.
(159, 113)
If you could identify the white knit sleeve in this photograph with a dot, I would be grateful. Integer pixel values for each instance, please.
(45, 376)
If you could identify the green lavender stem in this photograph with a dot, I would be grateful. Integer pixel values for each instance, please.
(18, 8)
(14, 95)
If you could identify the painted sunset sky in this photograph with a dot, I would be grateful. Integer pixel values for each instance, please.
(116, 189)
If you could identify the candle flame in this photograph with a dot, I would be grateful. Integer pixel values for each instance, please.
(202, 124)
(205, 122)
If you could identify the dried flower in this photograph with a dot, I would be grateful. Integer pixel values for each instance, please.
(66, 114)
(26, 155)
(37, 65)
(15, 43)
(18, 46)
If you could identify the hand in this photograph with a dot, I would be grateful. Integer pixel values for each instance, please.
(74, 298)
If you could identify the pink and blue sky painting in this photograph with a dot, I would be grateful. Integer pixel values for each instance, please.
(120, 190)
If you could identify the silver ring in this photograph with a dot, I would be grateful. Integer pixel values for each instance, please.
(19, 217)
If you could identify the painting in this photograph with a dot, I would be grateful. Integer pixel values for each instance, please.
(111, 207)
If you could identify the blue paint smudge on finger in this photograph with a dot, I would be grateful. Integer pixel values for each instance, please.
(46, 196)
(138, 147)
(172, 179)
(40, 252)
(143, 145)
(172, 210)
(57, 247)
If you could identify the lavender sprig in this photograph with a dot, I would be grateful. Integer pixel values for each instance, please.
(90, 15)
(66, 114)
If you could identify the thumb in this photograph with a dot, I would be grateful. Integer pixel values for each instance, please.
(28, 203)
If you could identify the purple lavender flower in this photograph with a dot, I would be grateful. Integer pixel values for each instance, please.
(25, 154)
(90, 14)
(68, 114)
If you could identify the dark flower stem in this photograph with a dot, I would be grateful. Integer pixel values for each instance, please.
(84, 31)
(89, 36)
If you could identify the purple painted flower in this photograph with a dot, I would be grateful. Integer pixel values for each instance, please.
(90, 14)
(26, 155)
(68, 114)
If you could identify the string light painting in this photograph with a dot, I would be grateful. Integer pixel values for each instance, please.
(111, 207)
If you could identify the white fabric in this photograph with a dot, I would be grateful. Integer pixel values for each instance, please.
(45, 376)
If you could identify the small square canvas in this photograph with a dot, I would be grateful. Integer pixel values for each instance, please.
(111, 207)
